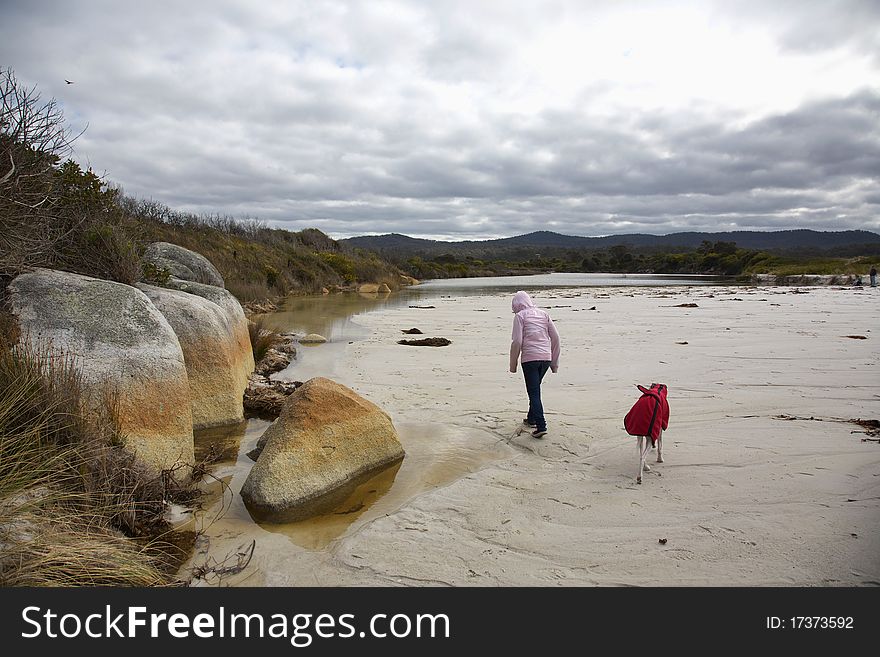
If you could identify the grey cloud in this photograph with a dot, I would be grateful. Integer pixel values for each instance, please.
(332, 115)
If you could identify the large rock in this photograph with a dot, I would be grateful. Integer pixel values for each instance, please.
(182, 263)
(121, 341)
(326, 441)
(211, 354)
(236, 322)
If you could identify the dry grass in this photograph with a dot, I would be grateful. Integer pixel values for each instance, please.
(262, 338)
(72, 497)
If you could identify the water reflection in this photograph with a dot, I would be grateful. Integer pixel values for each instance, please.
(436, 455)
(221, 444)
(329, 315)
(318, 532)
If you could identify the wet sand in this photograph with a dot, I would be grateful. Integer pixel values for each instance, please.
(745, 497)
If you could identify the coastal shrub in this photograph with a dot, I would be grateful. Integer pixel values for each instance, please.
(104, 251)
(341, 264)
(271, 276)
(151, 273)
(260, 263)
(52, 213)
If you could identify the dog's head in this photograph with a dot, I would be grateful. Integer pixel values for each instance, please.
(660, 388)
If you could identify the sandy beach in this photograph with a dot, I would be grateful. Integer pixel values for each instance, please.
(747, 496)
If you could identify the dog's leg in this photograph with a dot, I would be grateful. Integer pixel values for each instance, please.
(660, 447)
(643, 451)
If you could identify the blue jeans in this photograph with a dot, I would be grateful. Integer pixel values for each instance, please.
(533, 372)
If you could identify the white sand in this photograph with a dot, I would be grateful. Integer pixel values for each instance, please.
(743, 498)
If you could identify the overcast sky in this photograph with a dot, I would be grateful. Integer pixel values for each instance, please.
(472, 119)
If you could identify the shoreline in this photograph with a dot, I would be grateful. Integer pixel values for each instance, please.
(744, 498)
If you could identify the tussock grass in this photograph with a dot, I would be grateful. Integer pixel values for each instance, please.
(54, 551)
(262, 338)
(75, 506)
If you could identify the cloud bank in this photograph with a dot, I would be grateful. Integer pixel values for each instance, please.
(462, 120)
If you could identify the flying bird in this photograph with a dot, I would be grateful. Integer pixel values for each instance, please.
(68, 81)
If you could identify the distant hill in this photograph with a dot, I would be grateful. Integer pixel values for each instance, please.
(784, 240)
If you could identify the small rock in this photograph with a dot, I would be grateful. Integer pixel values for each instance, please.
(273, 361)
(412, 331)
(662, 541)
(313, 338)
(264, 398)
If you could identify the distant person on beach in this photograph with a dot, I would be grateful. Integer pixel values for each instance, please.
(536, 340)
(873, 275)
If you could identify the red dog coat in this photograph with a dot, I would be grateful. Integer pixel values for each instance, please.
(649, 414)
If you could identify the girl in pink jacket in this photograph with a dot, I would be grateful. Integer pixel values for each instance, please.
(536, 341)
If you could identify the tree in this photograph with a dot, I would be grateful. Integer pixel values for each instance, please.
(33, 140)
(621, 258)
(52, 213)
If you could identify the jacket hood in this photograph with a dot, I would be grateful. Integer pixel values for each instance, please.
(521, 301)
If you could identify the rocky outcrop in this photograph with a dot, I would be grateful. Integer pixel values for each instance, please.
(182, 263)
(259, 307)
(278, 356)
(236, 323)
(312, 338)
(211, 355)
(326, 441)
(273, 361)
(264, 398)
(122, 343)
(408, 280)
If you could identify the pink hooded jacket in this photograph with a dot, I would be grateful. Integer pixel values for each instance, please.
(534, 335)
